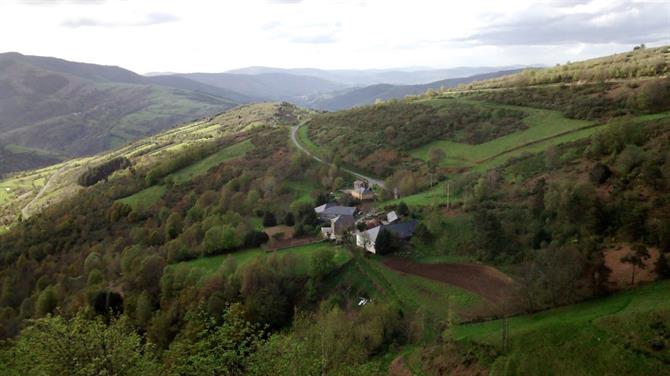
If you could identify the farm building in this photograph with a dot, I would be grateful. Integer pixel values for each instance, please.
(326, 212)
(361, 191)
(367, 239)
(338, 226)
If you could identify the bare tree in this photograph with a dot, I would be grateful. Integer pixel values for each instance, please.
(637, 258)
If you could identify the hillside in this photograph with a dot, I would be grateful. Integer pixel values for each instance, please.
(639, 63)
(27, 192)
(540, 242)
(52, 109)
(267, 86)
(370, 94)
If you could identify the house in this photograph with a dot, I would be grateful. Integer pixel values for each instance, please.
(338, 226)
(367, 239)
(361, 191)
(326, 212)
(391, 217)
(362, 194)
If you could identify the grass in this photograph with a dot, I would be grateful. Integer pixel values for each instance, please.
(433, 196)
(202, 166)
(306, 142)
(541, 124)
(151, 195)
(145, 197)
(450, 248)
(611, 335)
(212, 264)
(368, 276)
(302, 191)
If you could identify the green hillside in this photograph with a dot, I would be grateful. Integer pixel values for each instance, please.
(24, 193)
(52, 110)
(541, 209)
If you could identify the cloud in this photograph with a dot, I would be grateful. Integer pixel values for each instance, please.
(59, 2)
(146, 20)
(592, 22)
(316, 39)
(284, 1)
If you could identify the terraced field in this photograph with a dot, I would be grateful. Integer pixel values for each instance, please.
(212, 264)
(544, 128)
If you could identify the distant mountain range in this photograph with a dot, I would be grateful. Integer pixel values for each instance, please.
(52, 109)
(369, 94)
(266, 86)
(366, 77)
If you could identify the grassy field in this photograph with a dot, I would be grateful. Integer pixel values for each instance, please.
(145, 197)
(306, 142)
(542, 124)
(600, 337)
(212, 264)
(302, 191)
(201, 167)
(369, 277)
(151, 195)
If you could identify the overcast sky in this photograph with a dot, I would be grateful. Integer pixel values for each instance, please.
(214, 36)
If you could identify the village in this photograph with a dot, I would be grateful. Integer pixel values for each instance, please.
(361, 222)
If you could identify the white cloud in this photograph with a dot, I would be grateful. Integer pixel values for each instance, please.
(200, 35)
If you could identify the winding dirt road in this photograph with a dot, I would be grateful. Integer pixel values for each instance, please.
(294, 138)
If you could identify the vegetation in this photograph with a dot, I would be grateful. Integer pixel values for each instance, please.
(639, 63)
(186, 264)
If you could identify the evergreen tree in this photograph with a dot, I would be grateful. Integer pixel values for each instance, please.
(662, 267)
(269, 219)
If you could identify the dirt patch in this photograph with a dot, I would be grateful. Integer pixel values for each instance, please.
(452, 212)
(275, 245)
(483, 280)
(398, 367)
(286, 231)
(620, 276)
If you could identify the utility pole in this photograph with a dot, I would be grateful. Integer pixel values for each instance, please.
(448, 196)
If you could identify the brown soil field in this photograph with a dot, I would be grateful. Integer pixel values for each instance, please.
(621, 272)
(488, 282)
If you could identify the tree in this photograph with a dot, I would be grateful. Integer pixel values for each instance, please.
(637, 257)
(653, 96)
(47, 301)
(386, 242)
(82, 347)
(289, 220)
(662, 267)
(402, 209)
(144, 309)
(269, 219)
(322, 261)
(216, 349)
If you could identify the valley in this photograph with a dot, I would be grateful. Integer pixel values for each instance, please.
(489, 228)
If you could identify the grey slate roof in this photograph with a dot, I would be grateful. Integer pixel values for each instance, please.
(402, 230)
(333, 210)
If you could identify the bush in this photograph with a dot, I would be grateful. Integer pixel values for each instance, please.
(269, 219)
(102, 171)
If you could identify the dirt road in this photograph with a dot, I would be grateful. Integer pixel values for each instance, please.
(294, 138)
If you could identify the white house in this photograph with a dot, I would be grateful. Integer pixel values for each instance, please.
(367, 239)
(338, 226)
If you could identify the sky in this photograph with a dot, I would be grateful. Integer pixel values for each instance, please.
(218, 35)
